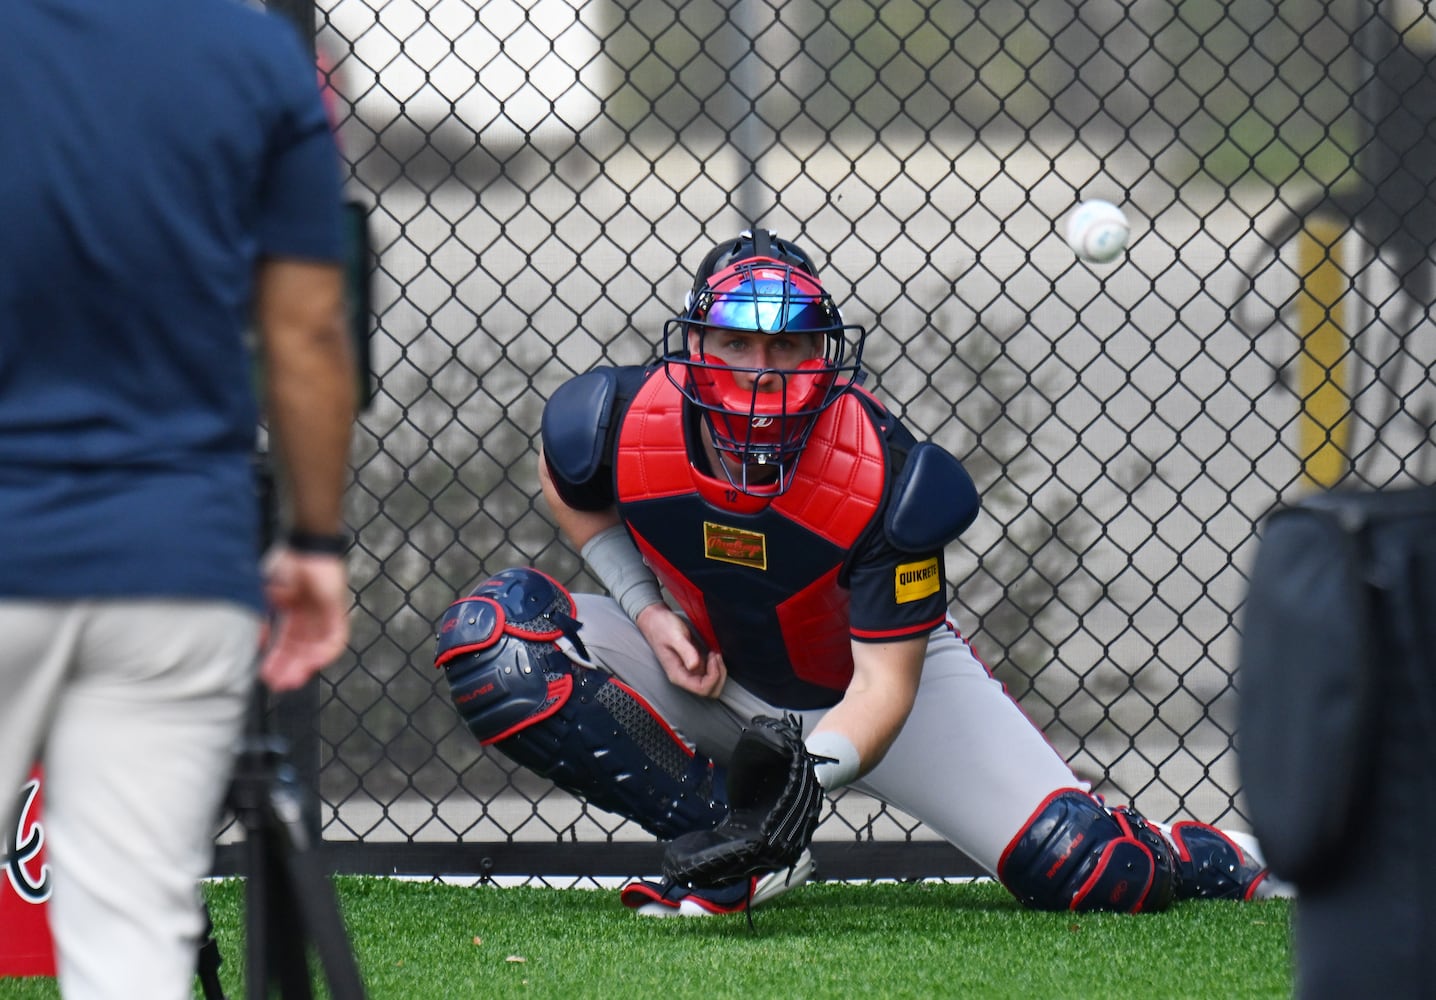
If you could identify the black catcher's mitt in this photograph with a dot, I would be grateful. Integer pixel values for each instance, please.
(773, 799)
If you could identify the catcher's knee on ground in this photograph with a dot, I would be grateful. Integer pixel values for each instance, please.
(586, 731)
(1074, 854)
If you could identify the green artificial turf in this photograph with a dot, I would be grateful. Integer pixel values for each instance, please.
(429, 941)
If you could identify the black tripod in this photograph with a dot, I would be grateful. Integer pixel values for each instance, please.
(289, 899)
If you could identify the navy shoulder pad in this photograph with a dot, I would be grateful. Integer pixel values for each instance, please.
(933, 500)
(576, 422)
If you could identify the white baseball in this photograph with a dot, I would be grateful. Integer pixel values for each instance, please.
(1097, 231)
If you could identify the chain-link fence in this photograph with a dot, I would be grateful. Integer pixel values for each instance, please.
(543, 175)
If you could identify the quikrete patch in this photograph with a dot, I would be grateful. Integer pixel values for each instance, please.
(914, 581)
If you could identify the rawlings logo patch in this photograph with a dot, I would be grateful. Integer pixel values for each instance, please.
(734, 545)
(914, 581)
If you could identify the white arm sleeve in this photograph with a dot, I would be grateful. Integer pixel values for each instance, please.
(844, 765)
(615, 560)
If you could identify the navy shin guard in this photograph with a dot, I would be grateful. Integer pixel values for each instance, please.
(607, 746)
(1212, 865)
(1074, 854)
(592, 735)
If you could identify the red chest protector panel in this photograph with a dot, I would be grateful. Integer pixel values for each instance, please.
(757, 576)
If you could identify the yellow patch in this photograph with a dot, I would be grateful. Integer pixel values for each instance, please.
(914, 581)
(734, 545)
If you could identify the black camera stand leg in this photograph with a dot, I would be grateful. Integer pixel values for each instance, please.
(289, 899)
(290, 904)
(209, 962)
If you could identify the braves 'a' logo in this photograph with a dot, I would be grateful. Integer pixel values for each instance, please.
(28, 838)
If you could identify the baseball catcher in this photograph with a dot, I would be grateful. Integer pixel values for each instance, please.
(772, 539)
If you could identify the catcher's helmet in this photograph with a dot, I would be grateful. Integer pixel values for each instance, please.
(758, 283)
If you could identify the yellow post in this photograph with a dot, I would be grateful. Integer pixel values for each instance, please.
(1325, 428)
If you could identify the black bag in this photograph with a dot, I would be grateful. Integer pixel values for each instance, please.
(1338, 653)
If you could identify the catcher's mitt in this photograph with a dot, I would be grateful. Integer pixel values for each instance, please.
(773, 803)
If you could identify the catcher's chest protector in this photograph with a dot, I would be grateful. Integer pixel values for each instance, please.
(729, 559)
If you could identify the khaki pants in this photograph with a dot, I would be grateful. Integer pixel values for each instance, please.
(134, 709)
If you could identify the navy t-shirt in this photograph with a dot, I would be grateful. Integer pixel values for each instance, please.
(152, 151)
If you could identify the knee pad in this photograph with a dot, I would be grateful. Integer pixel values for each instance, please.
(499, 650)
(1210, 865)
(1074, 854)
(589, 733)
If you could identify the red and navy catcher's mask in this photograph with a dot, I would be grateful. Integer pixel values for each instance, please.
(761, 284)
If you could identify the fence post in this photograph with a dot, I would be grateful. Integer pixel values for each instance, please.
(1325, 423)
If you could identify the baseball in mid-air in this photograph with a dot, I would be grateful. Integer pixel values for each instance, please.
(1097, 231)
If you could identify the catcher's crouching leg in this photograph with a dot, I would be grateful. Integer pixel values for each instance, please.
(584, 730)
(1074, 854)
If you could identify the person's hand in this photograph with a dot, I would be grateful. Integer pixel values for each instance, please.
(683, 663)
(308, 596)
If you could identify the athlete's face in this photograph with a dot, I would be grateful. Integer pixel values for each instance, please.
(768, 352)
(739, 349)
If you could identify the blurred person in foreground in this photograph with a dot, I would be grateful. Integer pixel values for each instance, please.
(798, 527)
(170, 183)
